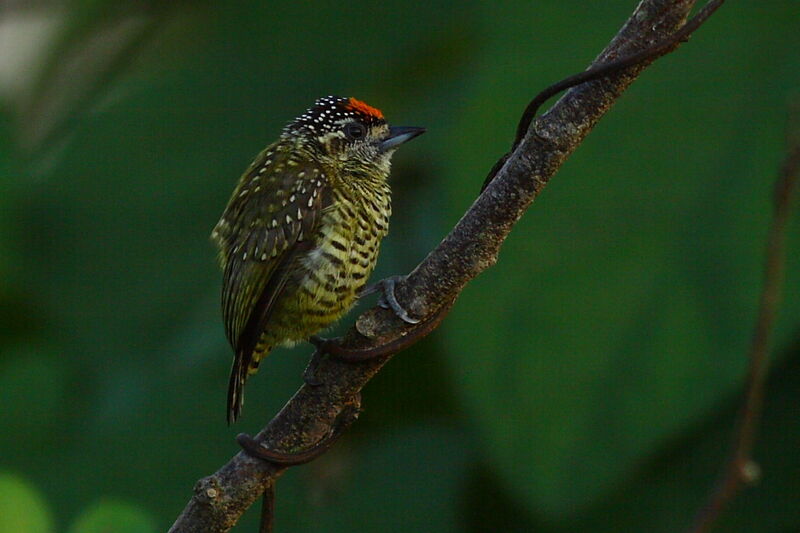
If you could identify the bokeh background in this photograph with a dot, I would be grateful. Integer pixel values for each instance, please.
(588, 382)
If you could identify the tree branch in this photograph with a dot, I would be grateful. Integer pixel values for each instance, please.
(741, 469)
(469, 249)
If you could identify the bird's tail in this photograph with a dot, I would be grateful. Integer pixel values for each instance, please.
(243, 366)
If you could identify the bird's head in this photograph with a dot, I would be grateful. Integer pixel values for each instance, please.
(349, 134)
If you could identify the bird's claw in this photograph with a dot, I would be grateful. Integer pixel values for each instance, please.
(388, 300)
(333, 348)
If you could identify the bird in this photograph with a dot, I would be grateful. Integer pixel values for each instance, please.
(301, 232)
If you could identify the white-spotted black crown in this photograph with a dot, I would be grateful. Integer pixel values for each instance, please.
(327, 114)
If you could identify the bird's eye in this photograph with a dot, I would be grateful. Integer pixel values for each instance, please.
(354, 131)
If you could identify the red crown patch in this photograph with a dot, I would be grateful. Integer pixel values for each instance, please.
(360, 107)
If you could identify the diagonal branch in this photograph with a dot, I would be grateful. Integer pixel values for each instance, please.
(740, 468)
(599, 70)
(469, 249)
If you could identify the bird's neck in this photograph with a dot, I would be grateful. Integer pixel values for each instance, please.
(354, 179)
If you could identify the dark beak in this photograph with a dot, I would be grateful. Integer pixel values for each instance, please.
(399, 135)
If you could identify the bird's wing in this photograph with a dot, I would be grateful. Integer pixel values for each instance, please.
(270, 219)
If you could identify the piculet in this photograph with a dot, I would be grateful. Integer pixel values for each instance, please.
(301, 231)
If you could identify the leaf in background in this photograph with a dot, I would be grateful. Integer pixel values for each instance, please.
(95, 43)
(9, 171)
(664, 493)
(33, 389)
(22, 508)
(405, 480)
(113, 517)
(621, 307)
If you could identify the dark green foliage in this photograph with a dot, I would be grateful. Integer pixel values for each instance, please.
(588, 382)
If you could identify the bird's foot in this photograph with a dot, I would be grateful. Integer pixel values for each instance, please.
(255, 449)
(334, 348)
(388, 300)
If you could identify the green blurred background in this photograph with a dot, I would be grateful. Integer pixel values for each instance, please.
(588, 382)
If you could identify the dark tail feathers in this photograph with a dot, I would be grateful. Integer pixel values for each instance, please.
(236, 388)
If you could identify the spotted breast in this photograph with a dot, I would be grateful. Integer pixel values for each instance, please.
(345, 250)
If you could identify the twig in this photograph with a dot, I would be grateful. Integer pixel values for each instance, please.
(268, 510)
(470, 248)
(741, 469)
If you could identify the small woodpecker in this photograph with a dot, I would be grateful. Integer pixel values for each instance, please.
(301, 231)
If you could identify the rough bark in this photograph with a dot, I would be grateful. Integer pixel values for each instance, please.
(470, 248)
